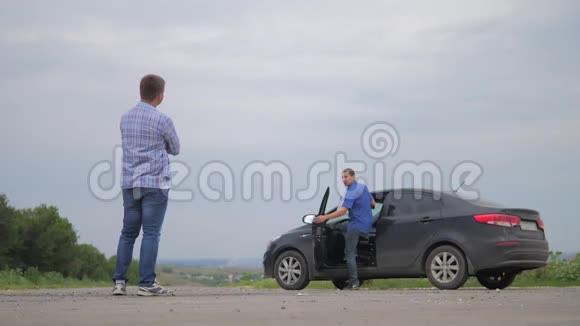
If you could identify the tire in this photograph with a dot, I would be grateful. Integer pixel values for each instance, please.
(446, 268)
(291, 271)
(496, 280)
(341, 283)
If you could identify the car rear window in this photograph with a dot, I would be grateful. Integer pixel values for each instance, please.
(478, 202)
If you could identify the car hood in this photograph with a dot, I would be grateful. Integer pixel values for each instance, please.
(301, 229)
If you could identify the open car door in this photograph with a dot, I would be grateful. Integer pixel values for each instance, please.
(319, 234)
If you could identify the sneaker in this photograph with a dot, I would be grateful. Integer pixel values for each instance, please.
(352, 285)
(120, 288)
(153, 290)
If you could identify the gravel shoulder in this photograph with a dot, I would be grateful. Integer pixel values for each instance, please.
(236, 306)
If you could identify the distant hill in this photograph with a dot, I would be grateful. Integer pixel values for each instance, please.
(250, 263)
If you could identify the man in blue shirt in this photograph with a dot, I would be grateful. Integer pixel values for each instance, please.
(359, 203)
(148, 138)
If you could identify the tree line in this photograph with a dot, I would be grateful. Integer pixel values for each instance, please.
(41, 239)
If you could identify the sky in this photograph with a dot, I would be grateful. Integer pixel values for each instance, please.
(491, 82)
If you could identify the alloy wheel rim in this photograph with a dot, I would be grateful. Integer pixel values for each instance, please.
(445, 267)
(289, 270)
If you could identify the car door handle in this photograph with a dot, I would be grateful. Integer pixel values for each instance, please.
(425, 219)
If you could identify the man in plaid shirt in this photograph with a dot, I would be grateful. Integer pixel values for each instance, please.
(148, 137)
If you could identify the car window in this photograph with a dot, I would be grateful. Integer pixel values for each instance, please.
(407, 204)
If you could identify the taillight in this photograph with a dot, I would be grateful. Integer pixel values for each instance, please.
(540, 224)
(498, 219)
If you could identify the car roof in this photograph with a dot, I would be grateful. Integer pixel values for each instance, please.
(428, 191)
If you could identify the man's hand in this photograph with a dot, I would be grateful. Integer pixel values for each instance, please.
(323, 218)
(320, 219)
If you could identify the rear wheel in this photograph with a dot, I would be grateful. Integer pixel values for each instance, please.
(341, 283)
(496, 280)
(446, 268)
(291, 271)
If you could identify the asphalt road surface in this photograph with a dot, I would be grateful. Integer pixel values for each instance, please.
(234, 306)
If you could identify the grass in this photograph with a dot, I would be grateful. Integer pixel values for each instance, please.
(558, 273)
(13, 280)
(17, 282)
(401, 283)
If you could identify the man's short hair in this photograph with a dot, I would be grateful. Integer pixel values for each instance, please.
(349, 171)
(151, 86)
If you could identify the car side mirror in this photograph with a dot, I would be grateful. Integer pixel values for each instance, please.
(308, 218)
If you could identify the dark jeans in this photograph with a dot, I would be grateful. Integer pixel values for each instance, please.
(350, 243)
(144, 207)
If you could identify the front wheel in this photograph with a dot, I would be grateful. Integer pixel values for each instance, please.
(446, 268)
(291, 271)
(496, 280)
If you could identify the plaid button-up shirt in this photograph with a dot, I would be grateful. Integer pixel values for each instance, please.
(148, 136)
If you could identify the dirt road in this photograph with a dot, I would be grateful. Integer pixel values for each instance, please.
(234, 306)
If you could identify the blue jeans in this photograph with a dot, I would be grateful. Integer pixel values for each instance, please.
(143, 207)
(351, 238)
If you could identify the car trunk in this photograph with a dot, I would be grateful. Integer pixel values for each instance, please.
(528, 228)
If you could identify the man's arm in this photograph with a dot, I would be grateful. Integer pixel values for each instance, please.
(347, 204)
(337, 213)
(170, 136)
(372, 199)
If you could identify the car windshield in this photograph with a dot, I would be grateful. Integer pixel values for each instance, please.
(376, 212)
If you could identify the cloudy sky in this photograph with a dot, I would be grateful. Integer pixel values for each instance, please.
(494, 82)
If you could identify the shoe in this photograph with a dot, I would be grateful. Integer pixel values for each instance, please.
(120, 288)
(352, 285)
(154, 290)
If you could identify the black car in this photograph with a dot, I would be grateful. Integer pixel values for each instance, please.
(416, 233)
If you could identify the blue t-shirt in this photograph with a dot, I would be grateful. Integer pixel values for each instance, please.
(358, 201)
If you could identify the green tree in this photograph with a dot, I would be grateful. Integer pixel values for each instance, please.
(246, 277)
(49, 241)
(38, 241)
(8, 233)
(89, 263)
(132, 274)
